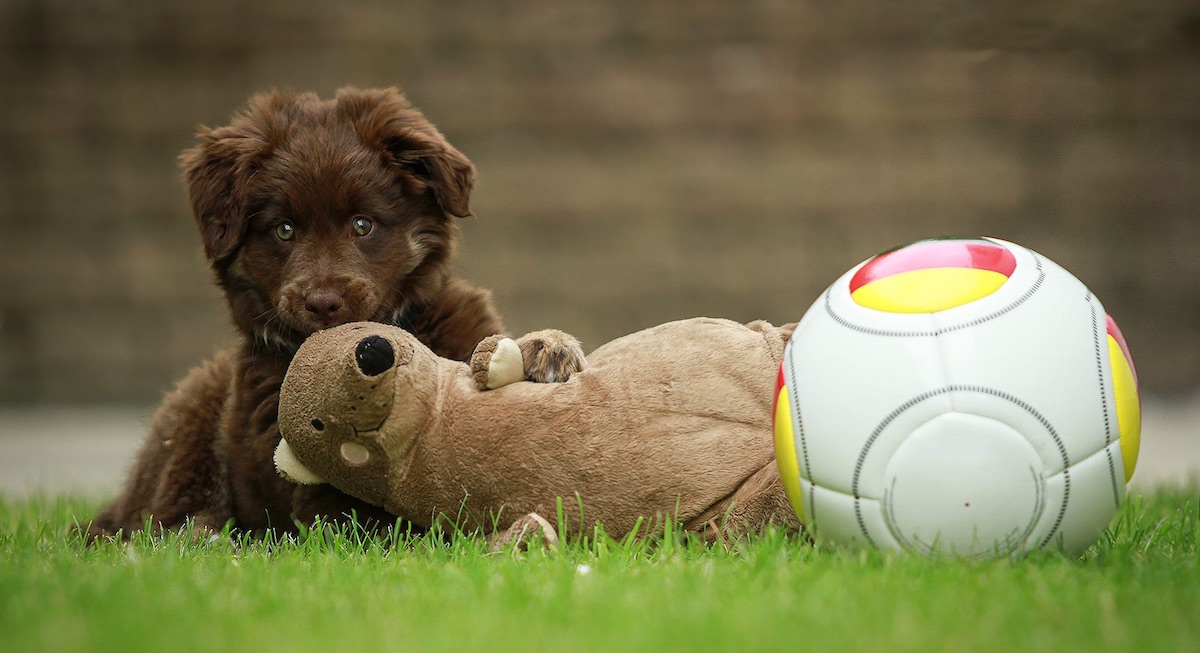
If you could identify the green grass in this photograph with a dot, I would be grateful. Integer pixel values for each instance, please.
(1138, 589)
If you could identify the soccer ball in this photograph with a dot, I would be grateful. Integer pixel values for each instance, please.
(962, 396)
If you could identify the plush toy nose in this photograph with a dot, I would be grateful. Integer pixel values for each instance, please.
(374, 356)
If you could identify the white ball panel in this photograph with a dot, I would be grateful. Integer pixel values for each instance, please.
(1047, 530)
(993, 403)
(1044, 354)
(882, 442)
(1093, 500)
(833, 518)
(845, 384)
(963, 484)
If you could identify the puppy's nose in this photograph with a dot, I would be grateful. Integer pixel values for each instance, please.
(323, 304)
(374, 356)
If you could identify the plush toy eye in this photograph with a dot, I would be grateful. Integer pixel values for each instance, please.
(285, 231)
(362, 226)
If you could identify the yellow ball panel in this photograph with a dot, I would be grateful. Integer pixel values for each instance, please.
(785, 452)
(928, 290)
(1129, 406)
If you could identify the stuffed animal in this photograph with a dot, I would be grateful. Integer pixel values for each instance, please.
(671, 422)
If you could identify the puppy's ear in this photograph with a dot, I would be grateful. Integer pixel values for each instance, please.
(218, 169)
(384, 119)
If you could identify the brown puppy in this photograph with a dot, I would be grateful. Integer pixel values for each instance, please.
(313, 213)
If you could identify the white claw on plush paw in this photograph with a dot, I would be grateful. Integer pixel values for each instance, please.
(290, 467)
(506, 365)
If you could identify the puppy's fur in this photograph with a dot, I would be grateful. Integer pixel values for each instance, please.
(313, 213)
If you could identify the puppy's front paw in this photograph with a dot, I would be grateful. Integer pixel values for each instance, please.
(551, 356)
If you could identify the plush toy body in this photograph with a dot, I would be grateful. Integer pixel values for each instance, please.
(673, 421)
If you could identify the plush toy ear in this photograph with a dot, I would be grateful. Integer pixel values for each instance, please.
(219, 167)
(384, 119)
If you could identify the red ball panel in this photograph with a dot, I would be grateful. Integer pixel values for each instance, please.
(971, 254)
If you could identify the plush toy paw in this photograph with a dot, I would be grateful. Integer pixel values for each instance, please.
(290, 467)
(526, 532)
(496, 362)
(550, 356)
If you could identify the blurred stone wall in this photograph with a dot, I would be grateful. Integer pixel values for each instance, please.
(639, 161)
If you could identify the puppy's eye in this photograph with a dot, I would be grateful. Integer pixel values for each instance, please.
(362, 226)
(285, 231)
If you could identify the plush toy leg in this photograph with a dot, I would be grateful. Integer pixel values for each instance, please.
(525, 532)
(760, 500)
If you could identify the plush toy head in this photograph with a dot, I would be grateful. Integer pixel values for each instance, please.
(341, 404)
(671, 421)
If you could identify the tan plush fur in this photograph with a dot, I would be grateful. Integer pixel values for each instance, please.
(673, 421)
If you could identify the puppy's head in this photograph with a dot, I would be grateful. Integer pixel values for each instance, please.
(316, 213)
